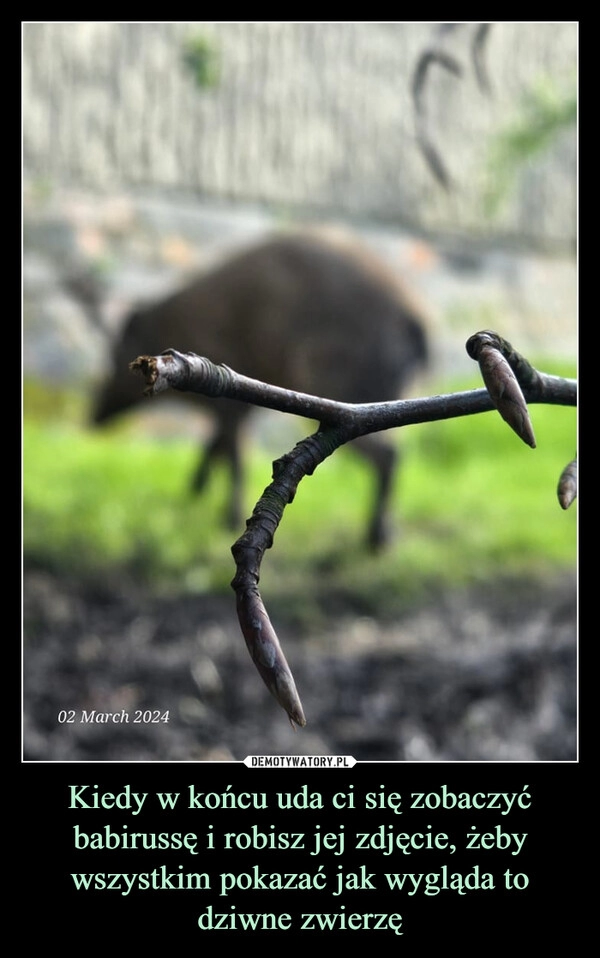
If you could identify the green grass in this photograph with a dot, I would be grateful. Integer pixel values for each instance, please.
(472, 503)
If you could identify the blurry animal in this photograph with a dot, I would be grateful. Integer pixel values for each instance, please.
(309, 311)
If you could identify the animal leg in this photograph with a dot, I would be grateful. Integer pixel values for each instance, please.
(225, 444)
(384, 459)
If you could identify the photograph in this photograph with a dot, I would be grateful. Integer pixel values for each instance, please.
(335, 210)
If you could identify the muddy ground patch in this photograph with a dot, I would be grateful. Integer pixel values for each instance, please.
(478, 675)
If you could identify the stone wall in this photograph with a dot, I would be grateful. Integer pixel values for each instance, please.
(303, 116)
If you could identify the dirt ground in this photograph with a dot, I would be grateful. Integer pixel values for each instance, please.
(476, 676)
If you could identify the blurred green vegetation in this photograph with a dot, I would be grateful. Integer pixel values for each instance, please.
(201, 57)
(546, 110)
(473, 503)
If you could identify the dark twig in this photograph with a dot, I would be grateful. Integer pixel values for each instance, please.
(511, 382)
(248, 551)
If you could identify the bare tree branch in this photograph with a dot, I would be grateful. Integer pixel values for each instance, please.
(511, 383)
(187, 372)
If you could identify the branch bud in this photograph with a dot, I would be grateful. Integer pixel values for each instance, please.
(567, 485)
(502, 385)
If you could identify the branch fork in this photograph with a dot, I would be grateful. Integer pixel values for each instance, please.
(510, 383)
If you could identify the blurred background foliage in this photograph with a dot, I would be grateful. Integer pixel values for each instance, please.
(547, 111)
(201, 57)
